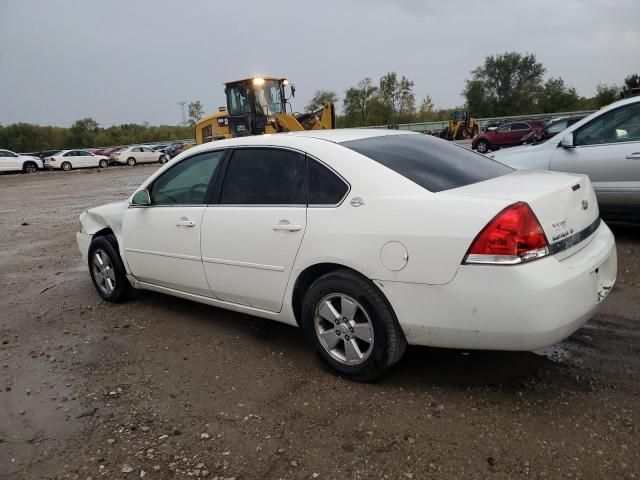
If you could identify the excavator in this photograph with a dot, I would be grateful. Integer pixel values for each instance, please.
(461, 126)
(258, 105)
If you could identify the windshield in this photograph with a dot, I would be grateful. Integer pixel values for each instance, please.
(269, 98)
(239, 100)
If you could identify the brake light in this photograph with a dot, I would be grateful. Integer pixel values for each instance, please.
(513, 236)
(51, 159)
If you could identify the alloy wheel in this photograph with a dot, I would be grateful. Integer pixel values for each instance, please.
(103, 273)
(344, 329)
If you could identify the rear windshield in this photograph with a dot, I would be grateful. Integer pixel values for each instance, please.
(432, 163)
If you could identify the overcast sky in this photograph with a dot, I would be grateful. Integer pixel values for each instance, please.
(122, 61)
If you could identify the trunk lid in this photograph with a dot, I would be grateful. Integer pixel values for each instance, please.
(565, 204)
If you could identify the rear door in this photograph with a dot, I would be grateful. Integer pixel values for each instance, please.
(517, 131)
(608, 150)
(9, 161)
(148, 155)
(85, 159)
(251, 237)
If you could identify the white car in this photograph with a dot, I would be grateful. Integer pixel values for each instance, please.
(605, 145)
(14, 162)
(141, 154)
(367, 239)
(69, 159)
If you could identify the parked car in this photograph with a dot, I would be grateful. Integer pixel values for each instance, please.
(159, 148)
(554, 126)
(506, 135)
(174, 149)
(41, 155)
(112, 150)
(605, 145)
(69, 159)
(101, 151)
(367, 239)
(14, 162)
(133, 155)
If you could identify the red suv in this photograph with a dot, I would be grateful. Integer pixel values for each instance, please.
(506, 135)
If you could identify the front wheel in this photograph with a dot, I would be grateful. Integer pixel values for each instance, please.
(163, 159)
(482, 146)
(107, 270)
(103, 163)
(29, 167)
(354, 330)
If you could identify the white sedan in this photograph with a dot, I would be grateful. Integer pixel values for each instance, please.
(367, 239)
(69, 159)
(133, 155)
(14, 162)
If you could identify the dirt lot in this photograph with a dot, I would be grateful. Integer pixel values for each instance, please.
(164, 388)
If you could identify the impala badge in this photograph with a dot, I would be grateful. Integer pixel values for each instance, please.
(356, 202)
(585, 204)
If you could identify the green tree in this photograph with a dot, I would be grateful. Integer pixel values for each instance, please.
(606, 94)
(83, 132)
(632, 81)
(426, 112)
(506, 84)
(196, 111)
(320, 98)
(398, 95)
(358, 101)
(557, 97)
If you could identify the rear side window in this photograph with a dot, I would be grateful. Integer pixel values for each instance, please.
(432, 163)
(264, 176)
(323, 186)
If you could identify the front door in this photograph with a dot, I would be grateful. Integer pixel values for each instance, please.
(608, 150)
(162, 240)
(251, 237)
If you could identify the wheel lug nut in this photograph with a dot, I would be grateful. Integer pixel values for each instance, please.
(338, 332)
(346, 337)
(351, 329)
(337, 322)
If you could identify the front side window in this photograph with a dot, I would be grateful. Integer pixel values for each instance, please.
(429, 162)
(187, 182)
(7, 153)
(519, 126)
(503, 128)
(264, 176)
(239, 100)
(619, 125)
(323, 186)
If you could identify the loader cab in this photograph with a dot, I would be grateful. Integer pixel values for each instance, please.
(252, 103)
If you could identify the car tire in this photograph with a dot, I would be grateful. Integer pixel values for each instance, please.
(163, 159)
(107, 270)
(131, 162)
(380, 342)
(483, 146)
(66, 166)
(103, 163)
(29, 167)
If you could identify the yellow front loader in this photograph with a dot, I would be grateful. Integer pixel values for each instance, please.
(258, 105)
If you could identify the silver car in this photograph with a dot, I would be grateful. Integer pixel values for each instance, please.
(605, 145)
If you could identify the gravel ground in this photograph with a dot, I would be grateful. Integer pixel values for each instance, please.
(163, 388)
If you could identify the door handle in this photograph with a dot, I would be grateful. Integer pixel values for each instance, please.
(287, 227)
(185, 222)
(633, 156)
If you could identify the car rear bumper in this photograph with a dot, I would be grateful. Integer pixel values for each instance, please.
(519, 307)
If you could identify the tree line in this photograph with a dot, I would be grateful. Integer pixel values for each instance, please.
(504, 85)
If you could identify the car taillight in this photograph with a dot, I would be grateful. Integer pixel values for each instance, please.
(513, 236)
(51, 159)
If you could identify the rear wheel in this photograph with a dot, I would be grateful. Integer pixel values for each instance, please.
(107, 270)
(351, 325)
(66, 166)
(131, 161)
(103, 163)
(29, 167)
(482, 146)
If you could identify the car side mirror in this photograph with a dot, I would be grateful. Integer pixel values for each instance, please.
(141, 198)
(567, 141)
